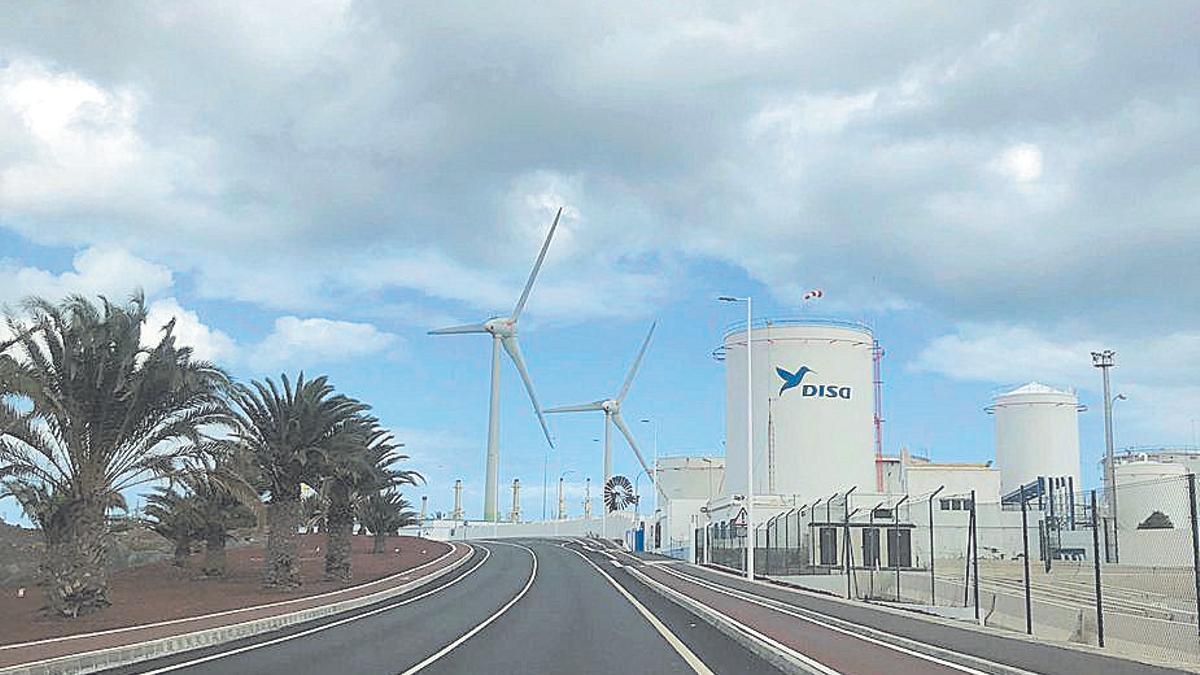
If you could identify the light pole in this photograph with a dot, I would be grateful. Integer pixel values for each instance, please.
(654, 478)
(637, 496)
(749, 429)
(1104, 361)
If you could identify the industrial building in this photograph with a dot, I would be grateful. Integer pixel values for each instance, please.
(817, 448)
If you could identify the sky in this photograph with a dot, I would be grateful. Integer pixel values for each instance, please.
(996, 188)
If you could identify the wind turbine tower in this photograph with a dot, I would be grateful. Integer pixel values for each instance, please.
(503, 330)
(611, 407)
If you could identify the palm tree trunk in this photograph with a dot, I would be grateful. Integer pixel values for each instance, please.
(214, 554)
(183, 549)
(74, 567)
(338, 525)
(379, 543)
(282, 564)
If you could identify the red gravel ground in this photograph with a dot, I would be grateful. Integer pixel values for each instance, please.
(159, 591)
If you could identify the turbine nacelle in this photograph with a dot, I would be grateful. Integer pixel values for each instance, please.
(610, 406)
(501, 326)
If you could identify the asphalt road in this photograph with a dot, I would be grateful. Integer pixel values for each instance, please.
(568, 607)
(494, 615)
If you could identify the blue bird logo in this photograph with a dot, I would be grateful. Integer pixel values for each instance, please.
(791, 380)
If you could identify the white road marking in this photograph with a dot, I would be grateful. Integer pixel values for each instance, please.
(809, 662)
(221, 655)
(802, 614)
(228, 612)
(680, 648)
(471, 633)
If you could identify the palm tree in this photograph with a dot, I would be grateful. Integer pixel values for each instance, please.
(172, 516)
(289, 433)
(383, 514)
(106, 414)
(361, 464)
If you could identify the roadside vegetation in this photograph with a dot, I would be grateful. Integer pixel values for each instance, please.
(97, 406)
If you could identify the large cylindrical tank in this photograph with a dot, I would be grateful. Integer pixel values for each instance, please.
(1037, 434)
(813, 412)
(1146, 486)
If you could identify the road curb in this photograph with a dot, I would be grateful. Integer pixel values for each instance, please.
(124, 655)
(731, 629)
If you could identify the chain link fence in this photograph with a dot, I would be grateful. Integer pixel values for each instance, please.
(1046, 560)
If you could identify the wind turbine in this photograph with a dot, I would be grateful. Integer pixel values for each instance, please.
(612, 415)
(503, 330)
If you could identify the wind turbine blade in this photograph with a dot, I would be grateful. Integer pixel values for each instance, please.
(582, 407)
(514, 352)
(616, 418)
(636, 362)
(536, 266)
(456, 330)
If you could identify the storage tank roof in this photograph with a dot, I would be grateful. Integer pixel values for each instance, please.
(1035, 388)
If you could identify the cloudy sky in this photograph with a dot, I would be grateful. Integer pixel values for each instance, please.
(998, 188)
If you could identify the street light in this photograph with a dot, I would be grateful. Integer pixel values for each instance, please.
(654, 478)
(749, 428)
(1104, 361)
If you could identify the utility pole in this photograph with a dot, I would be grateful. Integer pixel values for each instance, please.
(1104, 361)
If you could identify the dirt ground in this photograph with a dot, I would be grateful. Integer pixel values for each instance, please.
(159, 591)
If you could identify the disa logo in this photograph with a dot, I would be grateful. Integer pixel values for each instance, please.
(796, 379)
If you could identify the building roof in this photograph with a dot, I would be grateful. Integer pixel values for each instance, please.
(1036, 388)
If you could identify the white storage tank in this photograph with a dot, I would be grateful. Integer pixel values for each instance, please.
(1145, 486)
(813, 407)
(1037, 434)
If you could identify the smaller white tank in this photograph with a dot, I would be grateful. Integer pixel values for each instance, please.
(1145, 486)
(1037, 434)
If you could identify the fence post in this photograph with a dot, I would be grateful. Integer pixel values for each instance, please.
(1191, 481)
(932, 554)
(1096, 567)
(967, 558)
(896, 523)
(846, 547)
(975, 552)
(1025, 545)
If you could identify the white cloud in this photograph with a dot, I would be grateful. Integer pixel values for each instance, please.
(1005, 354)
(99, 270)
(762, 138)
(1156, 373)
(299, 343)
(1021, 162)
(208, 344)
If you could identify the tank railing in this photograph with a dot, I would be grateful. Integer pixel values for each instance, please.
(736, 326)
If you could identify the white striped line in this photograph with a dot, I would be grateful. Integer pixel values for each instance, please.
(221, 655)
(471, 633)
(807, 661)
(680, 648)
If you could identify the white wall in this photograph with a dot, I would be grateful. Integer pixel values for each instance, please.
(923, 479)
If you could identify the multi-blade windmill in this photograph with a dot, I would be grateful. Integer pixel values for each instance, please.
(612, 415)
(503, 330)
(618, 493)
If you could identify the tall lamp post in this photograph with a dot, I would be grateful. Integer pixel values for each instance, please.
(654, 478)
(1104, 361)
(749, 430)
